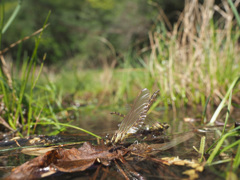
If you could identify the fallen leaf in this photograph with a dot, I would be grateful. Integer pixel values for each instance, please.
(191, 173)
(36, 151)
(66, 160)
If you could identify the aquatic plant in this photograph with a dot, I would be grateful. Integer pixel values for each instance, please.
(25, 104)
(188, 62)
(219, 146)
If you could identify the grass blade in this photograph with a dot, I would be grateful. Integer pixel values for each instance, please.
(13, 16)
(205, 110)
(220, 142)
(28, 74)
(71, 126)
(221, 105)
(234, 11)
(236, 162)
(228, 111)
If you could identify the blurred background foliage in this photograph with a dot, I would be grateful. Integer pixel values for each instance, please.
(103, 52)
(109, 49)
(93, 31)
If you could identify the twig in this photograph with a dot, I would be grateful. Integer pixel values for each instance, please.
(121, 170)
(5, 71)
(21, 40)
(3, 122)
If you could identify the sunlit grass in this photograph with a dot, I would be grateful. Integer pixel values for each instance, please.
(198, 58)
(222, 145)
(194, 63)
(191, 62)
(25, 103)
(15, 93)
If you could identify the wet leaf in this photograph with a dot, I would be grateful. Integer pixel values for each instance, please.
(36, 151)
(183, 162)
(66, 160)
(191, 173)
(34, 168)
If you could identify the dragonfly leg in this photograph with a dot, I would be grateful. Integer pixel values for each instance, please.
(121, 170)
(131, 170)
(118, 114)
(96, 172)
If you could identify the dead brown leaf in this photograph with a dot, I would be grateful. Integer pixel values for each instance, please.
(66, 160)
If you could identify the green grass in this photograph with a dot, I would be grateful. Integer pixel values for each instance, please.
(195, 60)
(191, 63)
(14, 92)
(194, 63)
(223, 144)
(25, 103)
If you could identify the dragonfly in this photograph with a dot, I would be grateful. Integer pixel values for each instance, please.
(135, 119)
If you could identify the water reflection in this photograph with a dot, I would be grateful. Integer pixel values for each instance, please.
(102, 123)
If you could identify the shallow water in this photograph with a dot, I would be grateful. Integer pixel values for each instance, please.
(102, 123)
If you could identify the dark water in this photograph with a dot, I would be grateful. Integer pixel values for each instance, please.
(102, 123)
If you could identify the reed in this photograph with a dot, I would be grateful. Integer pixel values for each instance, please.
(198, 58)
(25, 103)
(191, 63)
(223, 144)
(14, 92)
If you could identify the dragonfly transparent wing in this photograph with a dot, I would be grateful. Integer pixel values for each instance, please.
(143, 120)
(136, 116)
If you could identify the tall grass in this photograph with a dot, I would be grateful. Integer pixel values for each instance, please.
(15, 92)
(235, 132)
(189, 62)
(199, 57)
(24, 103)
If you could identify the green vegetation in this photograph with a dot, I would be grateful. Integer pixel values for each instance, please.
(189, 62)
(193, 62)
(222, 145)
(23, 107)
(76, 26)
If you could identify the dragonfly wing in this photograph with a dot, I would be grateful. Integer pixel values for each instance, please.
(142, 120)
(140, 104)
(135, 117)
